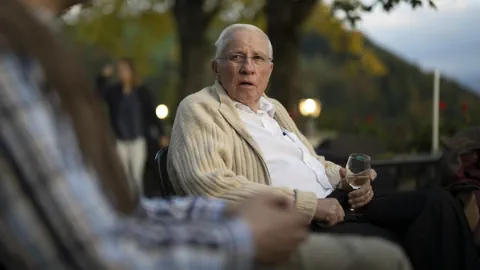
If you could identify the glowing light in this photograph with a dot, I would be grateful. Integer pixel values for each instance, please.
(161, 111)
(310, 107)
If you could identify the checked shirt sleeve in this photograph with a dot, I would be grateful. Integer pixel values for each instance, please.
(185, 208)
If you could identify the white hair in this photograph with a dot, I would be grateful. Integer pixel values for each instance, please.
(228, 32)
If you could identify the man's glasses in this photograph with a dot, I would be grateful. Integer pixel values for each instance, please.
(240, 59)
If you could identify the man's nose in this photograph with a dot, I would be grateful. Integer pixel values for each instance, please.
(248, 66)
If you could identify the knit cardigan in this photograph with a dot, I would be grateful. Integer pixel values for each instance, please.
(212, 154)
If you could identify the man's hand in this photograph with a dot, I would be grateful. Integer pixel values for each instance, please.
(277, 228)
(234, 209)
(329, 210)
(343, 185)
(362, 196)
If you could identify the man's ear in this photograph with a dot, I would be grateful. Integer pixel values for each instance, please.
(271, 70)
(215, 66)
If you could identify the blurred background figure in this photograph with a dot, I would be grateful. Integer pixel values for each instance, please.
(132, 116)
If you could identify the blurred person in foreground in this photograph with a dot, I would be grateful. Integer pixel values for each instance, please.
(131, 109)
(231, 141)
(66, 202)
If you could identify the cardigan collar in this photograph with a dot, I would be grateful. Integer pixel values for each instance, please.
(228, 111)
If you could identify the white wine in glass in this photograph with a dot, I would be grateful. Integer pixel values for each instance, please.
(358, 171)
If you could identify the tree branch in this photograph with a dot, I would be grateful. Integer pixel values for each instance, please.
(353, 8)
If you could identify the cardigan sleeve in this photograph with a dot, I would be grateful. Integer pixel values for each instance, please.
(199, 161)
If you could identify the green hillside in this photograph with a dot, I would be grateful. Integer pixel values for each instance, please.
(395, 106)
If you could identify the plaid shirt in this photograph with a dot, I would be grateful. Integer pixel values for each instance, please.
(53, 214)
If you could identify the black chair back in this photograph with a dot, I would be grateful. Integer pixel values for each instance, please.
(166, 186)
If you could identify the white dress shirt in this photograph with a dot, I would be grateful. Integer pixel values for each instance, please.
(288, 160)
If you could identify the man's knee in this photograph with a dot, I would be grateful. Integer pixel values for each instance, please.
(352, 252)
(381, 254)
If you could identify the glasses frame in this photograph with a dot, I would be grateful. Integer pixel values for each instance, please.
(227, 57)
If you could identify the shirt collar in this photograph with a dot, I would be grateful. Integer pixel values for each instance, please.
(265, 106)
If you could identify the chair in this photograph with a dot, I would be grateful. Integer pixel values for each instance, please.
(165, 184)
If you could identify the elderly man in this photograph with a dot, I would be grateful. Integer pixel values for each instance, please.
(230, 141)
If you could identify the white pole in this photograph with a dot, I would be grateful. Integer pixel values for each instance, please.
(436, 105)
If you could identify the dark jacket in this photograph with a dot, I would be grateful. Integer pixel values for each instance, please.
(467, 179)
(112, 95)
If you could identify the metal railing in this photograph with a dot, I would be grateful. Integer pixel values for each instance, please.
(410, 172)
(404, 172)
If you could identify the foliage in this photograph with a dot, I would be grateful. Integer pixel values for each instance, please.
(120, 31)
(352, 9)
(344, 41)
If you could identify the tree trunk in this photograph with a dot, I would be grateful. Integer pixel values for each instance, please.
(192, 23)
(284, 24)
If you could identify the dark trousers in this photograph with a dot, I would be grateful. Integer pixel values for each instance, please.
(429, 224)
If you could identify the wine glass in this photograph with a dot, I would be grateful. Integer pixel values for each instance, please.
(357, 171)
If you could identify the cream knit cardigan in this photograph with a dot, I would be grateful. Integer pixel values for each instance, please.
(212, 154)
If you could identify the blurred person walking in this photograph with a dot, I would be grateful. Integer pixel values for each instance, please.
(132, 116)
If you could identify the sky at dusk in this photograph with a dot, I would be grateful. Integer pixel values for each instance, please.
(447, 38)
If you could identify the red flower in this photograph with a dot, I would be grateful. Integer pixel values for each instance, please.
(370, 118)
(442, 105)
(464, 107)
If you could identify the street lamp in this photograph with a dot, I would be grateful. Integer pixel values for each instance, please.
(311, 109)
(161, 111)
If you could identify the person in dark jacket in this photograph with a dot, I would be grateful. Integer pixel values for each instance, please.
(463, 150)
(132, 117)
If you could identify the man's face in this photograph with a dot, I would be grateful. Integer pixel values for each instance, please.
(244, 67)
(124, 72)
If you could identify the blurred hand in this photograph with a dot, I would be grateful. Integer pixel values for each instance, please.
(278, 229)
(329, 210)
(236, 208)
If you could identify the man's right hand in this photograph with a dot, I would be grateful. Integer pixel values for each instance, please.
(278, 229)
(329, 210)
